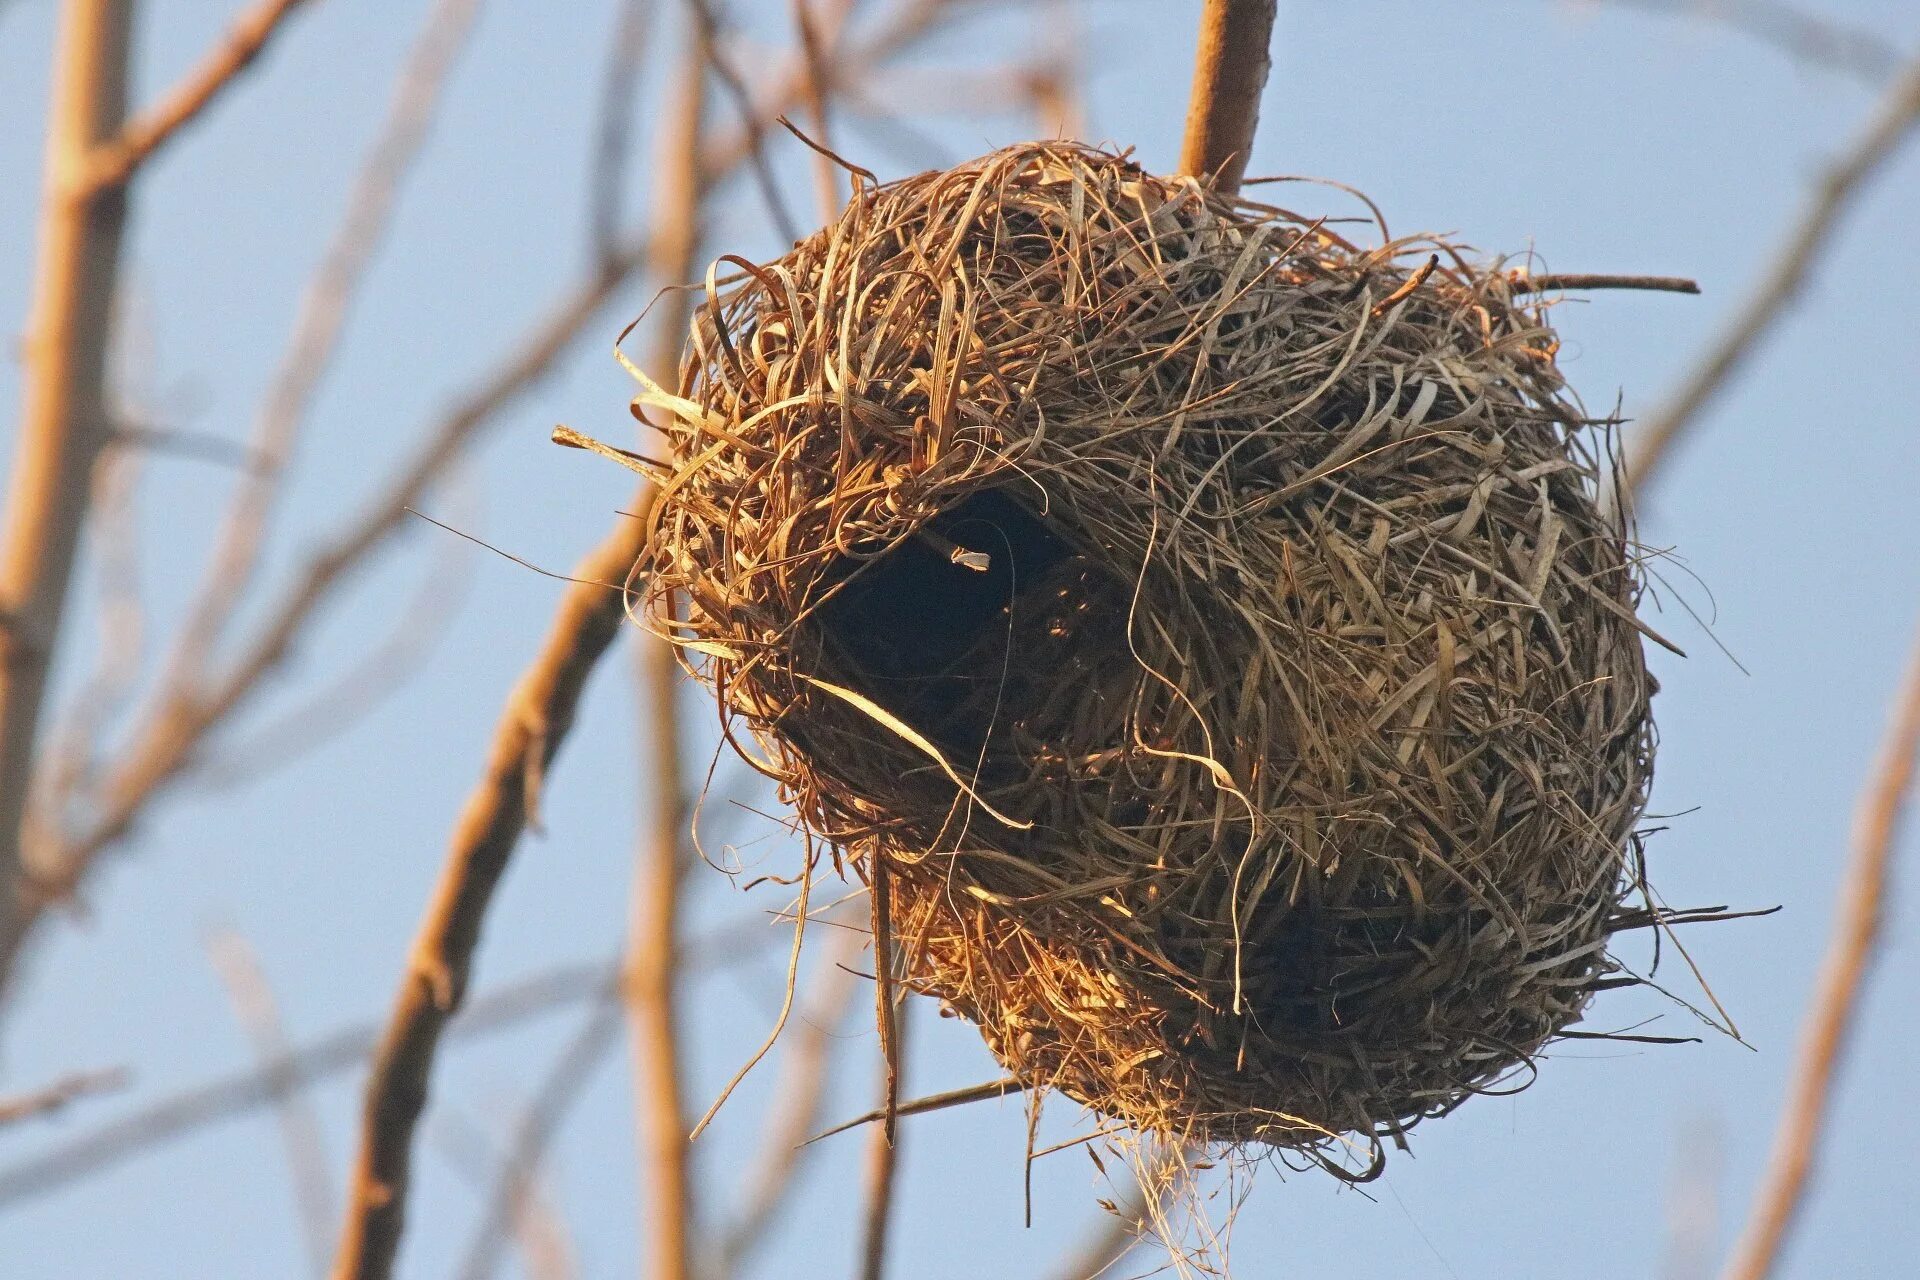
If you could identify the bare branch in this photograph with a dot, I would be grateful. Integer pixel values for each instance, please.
(322, 318)
(55, 1097)
(1120, 1231)
(653, 920)
(304, 1137)
(513, 1186)
(1807, 38)
(546, 1249)
(750, 119)
(109, 164)
(883, 1152)
(1229, 71)
(1893, 121)
(613, 134)
(192, 1109)
(538, 715)
(63, 421)
(1836, 999)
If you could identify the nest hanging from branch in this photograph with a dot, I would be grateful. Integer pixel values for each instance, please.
(1206, 629)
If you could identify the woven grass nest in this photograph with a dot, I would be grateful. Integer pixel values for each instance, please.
(1208, 630)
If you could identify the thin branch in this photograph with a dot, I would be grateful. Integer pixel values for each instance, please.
(653, 938)
(167, 742)
(1893, 121)
(190, 1110)
(813, 92)
(1836, 999)
(883, 1151)
(613, 134)
(538, 715)
(710, 40)
(1572, 281)
(324, 309)
(563, 1087)
(63, 420)
(1229, 71)
(54, 1097)
(1121, 1230)
(300, 1128)
(538, 1230)
(111, 163)
(1815, 40)
(793, 1116)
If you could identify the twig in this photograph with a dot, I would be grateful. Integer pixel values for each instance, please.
(795, 1111)
(653, 938)
(613, 134)
(813, 92)
(64, 368)
(565, 1083)
(1830, 1016)
(1229, 71)
(111, 163)
(1892, 122)
(883, 1150)
(1814, 40)
(322, 317)
(194, 1108)
(1565, 281)
(538, 714)
(300, 1127)
(546, 1250)
(54, 1097)
(1119, 1233)
(166, 743)
(750, 119)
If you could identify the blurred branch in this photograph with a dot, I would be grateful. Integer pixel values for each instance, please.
(1229, 71)
(883, 1145)
(712, 49)
(195, 1108)
(110, 163)
(62, 420)
(795, 1111)
(653, 913)
(613, 134)
(1814, 40)
(166, 743)
(513, 1185)
(1118, 1234)
(813, 79)
(55, 1097)
(1892, 122)
(300, 1127)
(538, 714)
(1836, 998)
(324, 308)
(546, 1250)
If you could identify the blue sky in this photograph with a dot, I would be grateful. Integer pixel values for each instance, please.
(1602, 136)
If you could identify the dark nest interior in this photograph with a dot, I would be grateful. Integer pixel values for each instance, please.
(1209, 631)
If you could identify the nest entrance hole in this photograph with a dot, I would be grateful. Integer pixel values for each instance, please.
(947, 629)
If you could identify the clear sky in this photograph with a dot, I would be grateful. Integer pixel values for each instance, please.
(1604, 136)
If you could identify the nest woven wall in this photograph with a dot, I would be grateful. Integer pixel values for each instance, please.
(1210, 628)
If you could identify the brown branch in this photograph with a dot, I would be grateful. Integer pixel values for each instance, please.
(301, 1131)
(1229, 71)
(322, 317)
(813, 81)
(1836, 999)
(653, 938)
(513, 1185)
(883, 1151)
(1121, 1231)
(56, 1096)
(538, 715)
(711, 44)
(63, 422)
(110, 163)
(1890, 126)
(1569, 281)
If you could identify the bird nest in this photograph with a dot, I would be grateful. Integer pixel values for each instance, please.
(1209, 633)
